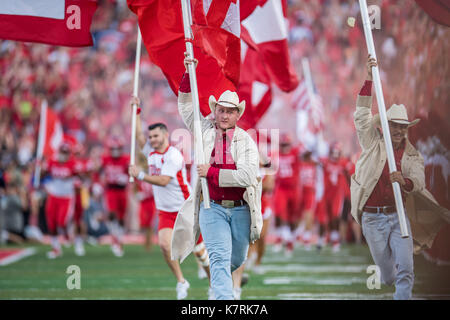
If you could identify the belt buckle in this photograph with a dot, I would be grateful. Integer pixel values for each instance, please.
(228, 203)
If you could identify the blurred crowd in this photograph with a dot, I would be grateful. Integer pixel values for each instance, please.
(90, 88)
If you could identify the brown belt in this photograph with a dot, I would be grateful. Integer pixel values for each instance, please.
(385, 209)
(230, 203)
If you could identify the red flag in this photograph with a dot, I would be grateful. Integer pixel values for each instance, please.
(438, 10)
(54, 134)
(265, 30)
(310, 116)
(254, 88)
(57, 22)
(216, 29)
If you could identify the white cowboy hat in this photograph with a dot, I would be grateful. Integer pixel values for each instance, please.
(397, 113)
(227, 99)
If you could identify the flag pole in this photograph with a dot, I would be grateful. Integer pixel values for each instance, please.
(135, 94)
(308, 79)
(383, 118)
(198, 143)
(40, 145)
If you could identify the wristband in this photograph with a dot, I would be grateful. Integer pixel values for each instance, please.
(138, 110)
(141, 175)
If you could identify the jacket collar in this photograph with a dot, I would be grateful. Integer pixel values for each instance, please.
(410, 150)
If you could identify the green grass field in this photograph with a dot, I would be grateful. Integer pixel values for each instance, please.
(143, 275)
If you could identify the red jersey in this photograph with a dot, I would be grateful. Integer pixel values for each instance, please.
(62, 177)
(308, 175)
(115, 171)
(349, 169)
(334, 176)
(288, 170)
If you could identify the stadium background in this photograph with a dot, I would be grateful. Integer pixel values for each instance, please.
(92, 102)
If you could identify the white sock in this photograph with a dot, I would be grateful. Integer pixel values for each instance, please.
(334, 236)
(307, 236)
(286, 234)
(55, 243)
(78, 240)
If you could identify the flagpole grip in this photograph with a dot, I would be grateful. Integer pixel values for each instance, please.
(198, 141)
(383, 118)
(135, 94)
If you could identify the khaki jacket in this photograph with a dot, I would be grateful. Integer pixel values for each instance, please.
(246, 157)
(425, 215)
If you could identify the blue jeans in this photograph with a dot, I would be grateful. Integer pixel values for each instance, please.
(226, 233)
(390, 252)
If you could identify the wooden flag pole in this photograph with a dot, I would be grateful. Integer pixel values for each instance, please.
(198, 141)
(135, 94)
(40, 145)
(383, 118)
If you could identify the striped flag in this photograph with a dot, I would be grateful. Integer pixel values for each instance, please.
(57, 22)
(309, 108)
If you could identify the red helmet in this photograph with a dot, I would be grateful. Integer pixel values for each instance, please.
(285, 138)
(64, 147)
(115, 142)
(335, 149)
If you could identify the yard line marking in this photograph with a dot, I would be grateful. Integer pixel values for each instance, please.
(333, 296)
(313, 268)
(341, 281)
(17, 256)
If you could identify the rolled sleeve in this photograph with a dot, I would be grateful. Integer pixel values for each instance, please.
(409, 185)
(366, 90)
(213, 175)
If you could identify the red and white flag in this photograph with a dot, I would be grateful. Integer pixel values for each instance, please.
(57, 22)
(216, 29)
(255, 87)
(54, 134)
(265, 57)
(310, 116)
(265, 30)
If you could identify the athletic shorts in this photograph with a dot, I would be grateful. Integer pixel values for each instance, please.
(329, 208)
(146, 212)
(286, 204)
(266, 208)
(308, 199)
(78, 210)
(116, 202)
(335, 203)
(167, 220)
(58, 212)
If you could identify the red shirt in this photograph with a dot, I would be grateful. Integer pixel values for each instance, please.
(383, 193)
(222, 160)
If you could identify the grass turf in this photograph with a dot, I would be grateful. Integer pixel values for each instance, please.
(143, 275)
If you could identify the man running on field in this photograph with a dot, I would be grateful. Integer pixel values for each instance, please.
(167, 174)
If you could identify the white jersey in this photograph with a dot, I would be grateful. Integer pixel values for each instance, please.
(169, 163)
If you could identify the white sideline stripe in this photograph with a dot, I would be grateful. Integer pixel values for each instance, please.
(34, 8)
(313, 268)
(341, 281)
(333, 296)
(17, 256)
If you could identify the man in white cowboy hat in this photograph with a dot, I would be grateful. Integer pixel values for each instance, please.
(372, 197)
(234, 218)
